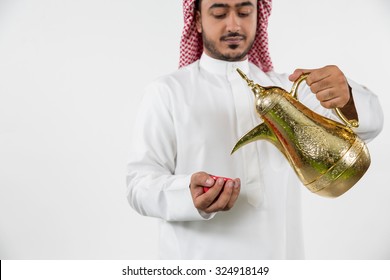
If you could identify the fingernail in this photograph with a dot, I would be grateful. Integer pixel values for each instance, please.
(209, 182)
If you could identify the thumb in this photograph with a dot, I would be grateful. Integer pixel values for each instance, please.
(199, 181)
(202, 179)
(297, 73)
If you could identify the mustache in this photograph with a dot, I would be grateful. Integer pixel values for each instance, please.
(232, 35)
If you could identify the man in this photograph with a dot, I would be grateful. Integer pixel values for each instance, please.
(190, 120)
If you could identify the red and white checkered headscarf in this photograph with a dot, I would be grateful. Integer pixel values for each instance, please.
(191, 45)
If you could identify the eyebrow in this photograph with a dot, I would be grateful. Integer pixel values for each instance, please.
(224, 5)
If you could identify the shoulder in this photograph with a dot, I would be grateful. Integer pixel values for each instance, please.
(171, 88)
(178, 78)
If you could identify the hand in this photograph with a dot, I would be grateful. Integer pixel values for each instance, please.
(328, 84)
(220, 197)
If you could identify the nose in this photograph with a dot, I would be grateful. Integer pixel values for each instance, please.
(233, 23)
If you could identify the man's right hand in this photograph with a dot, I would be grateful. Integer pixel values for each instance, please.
(220, 197)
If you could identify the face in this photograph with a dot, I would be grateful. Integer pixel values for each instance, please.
(228, 27)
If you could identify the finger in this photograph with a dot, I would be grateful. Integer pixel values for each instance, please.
(325, 95)
(330, 74)
(319, 83)
(198, 181)
(336, 96)
(332, 103)
(326, 98)
(317, 75)
(228, 198)
(223, 199)
(236, 192)
(205, 200)
(297, 73)
(201, 179)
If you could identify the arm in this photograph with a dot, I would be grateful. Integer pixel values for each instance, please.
(153, 187)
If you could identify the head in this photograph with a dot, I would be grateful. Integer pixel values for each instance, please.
(227, 27)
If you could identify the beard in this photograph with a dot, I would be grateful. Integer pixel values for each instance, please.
(215, 53)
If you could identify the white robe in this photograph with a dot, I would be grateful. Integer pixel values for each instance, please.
(189, 121)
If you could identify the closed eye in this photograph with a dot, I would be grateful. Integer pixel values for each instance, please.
(243, 14)
(244, 11)
(219, 16)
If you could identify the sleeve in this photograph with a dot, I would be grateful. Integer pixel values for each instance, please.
(369, 111)
(152, 188)
(367, 104)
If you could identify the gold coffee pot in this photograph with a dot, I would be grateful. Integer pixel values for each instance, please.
(328, 157)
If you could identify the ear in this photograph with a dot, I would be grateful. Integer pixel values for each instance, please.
(198, 22)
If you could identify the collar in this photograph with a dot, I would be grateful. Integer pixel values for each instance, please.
(222, 67)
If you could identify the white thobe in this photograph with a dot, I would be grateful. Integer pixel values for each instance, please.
(189, 121)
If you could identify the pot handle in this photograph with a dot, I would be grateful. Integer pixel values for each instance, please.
(294, 91)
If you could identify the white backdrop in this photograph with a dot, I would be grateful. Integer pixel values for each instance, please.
(71, 77)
